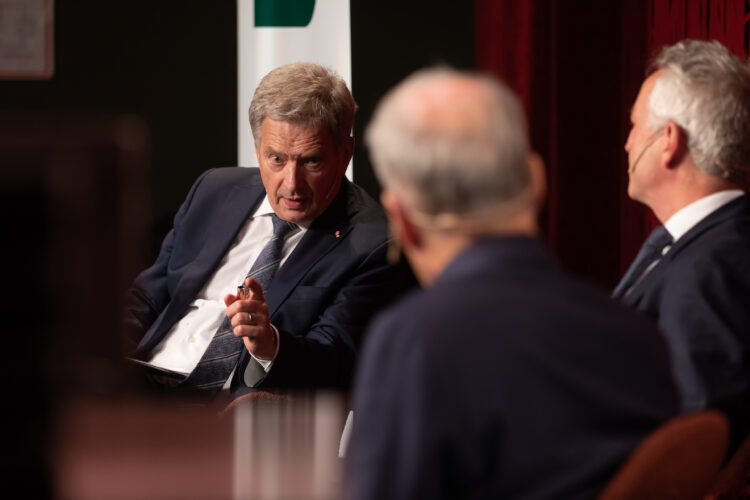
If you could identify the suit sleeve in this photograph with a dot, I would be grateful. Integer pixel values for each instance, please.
(704, 315)
(150, 294)
(395, 448)
(325, 355)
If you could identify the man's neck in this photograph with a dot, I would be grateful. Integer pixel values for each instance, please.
(686, 189)
(686, 218)
(440, 248)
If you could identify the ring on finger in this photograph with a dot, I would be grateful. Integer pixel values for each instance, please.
(249, 317)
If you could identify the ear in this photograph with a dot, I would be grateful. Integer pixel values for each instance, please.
(403, 230)
(538, 178)
(675, 145)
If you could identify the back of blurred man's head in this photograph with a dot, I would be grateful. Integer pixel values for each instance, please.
(452, 147)
(451, 151)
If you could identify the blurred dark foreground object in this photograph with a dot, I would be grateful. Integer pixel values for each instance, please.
(73, 202)
(264, 447)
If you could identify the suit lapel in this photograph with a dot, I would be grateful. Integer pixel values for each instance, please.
(230, 218)
(326, 232)
(719, 216)
(314, 245)
(724, 213)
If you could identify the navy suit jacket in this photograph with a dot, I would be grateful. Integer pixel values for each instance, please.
(699, 294)
(504, 379)
(320, 299)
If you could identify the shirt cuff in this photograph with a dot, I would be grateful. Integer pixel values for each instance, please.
(266, 363)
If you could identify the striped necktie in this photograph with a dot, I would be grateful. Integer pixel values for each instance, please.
(222, 353)
(650, 251)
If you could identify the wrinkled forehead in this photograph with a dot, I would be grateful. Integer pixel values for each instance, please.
(291, 132)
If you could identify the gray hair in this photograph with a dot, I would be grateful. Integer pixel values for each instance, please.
(706, 91)
(451, 169)
(306, 94)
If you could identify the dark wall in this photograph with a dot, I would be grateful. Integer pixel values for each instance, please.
(390, 40)
(172, 63)
(72, 207)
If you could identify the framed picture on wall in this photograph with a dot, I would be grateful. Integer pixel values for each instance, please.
(26, 39)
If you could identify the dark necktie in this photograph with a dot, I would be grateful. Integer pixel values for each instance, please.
(650, 251)
(222, 353)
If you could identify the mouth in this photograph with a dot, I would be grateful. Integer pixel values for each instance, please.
(294, 202)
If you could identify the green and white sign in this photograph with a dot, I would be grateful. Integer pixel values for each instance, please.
(271, 33)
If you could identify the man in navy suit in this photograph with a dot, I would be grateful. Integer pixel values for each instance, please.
(688, 151)
(503, 377)
(329, 271)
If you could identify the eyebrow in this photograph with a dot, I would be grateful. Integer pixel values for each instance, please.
(316, 151)
(269, 150)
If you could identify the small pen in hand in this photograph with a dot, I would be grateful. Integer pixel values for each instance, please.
(241, 292)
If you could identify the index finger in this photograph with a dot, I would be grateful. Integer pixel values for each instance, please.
(254, 290)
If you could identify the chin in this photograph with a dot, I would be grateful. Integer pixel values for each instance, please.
(296, 217)
(292, 216)
(633, 194)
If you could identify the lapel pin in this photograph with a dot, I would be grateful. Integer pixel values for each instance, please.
(338, 234)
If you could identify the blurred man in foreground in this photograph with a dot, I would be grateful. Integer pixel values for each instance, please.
(503, 377)
(688, 153)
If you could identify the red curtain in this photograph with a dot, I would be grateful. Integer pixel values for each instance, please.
(564, 59)
(577, 67)
(513, 41)
(722, 20)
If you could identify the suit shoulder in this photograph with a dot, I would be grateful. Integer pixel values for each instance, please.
(395, 330)
(233, 175)
(219, 180)
(364, 207)
(723, 247)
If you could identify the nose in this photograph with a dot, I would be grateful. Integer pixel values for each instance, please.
(627, 142)
(291, 176)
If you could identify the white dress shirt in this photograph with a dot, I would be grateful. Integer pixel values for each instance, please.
(684, 219)
(187, 340)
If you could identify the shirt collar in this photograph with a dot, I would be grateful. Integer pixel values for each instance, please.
(684, 219)
(265, 209)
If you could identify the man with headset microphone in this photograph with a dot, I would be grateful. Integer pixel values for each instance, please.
(691, 133)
